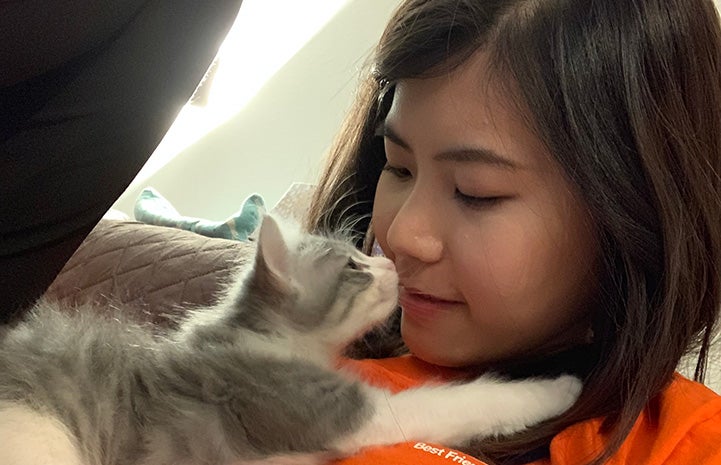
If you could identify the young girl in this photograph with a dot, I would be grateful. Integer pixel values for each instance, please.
(545, 176)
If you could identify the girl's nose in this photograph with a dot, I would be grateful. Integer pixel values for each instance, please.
(415, 231)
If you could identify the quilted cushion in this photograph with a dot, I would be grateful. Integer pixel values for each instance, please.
(154, 271)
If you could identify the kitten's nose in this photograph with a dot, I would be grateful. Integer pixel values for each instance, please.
(383, 262)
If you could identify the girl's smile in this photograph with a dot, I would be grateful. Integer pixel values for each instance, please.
(423, 307)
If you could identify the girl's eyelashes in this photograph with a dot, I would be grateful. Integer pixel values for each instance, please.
(478, 202)
(470, 201)
(398, 172)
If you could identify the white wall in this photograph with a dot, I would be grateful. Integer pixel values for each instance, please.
(281, 135)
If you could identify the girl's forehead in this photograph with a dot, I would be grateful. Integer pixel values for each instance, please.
(466, 107)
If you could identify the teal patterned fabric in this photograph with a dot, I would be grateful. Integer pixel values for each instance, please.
(153, 208)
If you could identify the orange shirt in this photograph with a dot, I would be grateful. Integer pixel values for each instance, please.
(684, 428)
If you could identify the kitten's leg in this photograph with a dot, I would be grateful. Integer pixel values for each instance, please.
(29, 438)
(455, 414)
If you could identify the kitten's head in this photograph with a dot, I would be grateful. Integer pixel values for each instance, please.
(316, 285)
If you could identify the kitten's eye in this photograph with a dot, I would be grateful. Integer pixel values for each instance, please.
(352, 264)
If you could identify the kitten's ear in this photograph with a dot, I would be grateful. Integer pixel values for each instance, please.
(272, 247)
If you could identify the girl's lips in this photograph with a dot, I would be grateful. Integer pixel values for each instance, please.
(423, 306)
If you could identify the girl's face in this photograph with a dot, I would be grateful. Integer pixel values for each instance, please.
(495, 251)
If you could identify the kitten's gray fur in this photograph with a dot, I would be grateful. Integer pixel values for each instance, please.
(248, 379)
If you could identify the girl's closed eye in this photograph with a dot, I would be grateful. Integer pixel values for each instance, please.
(397, 171)
(479, 202)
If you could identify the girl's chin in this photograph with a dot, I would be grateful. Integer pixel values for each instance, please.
(430, 346)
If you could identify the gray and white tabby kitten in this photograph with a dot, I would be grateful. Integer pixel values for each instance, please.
(252, 379)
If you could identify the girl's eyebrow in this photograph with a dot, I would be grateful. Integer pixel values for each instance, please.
(386, 130)
(461, 154)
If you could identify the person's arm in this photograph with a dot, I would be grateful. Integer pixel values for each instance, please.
(37, 36)
(87, 91)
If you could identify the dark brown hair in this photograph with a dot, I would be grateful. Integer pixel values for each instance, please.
(626, 94)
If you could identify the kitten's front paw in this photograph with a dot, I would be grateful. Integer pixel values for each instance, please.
(564, 391)
(528, 402)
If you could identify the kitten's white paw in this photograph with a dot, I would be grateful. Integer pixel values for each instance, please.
(517, 405)
(551, 397)
(566, 389)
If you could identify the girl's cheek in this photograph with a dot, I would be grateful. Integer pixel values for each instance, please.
(502, 259)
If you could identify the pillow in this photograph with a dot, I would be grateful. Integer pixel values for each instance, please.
(154, 271)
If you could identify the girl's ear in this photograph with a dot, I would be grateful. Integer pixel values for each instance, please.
(272, 251)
